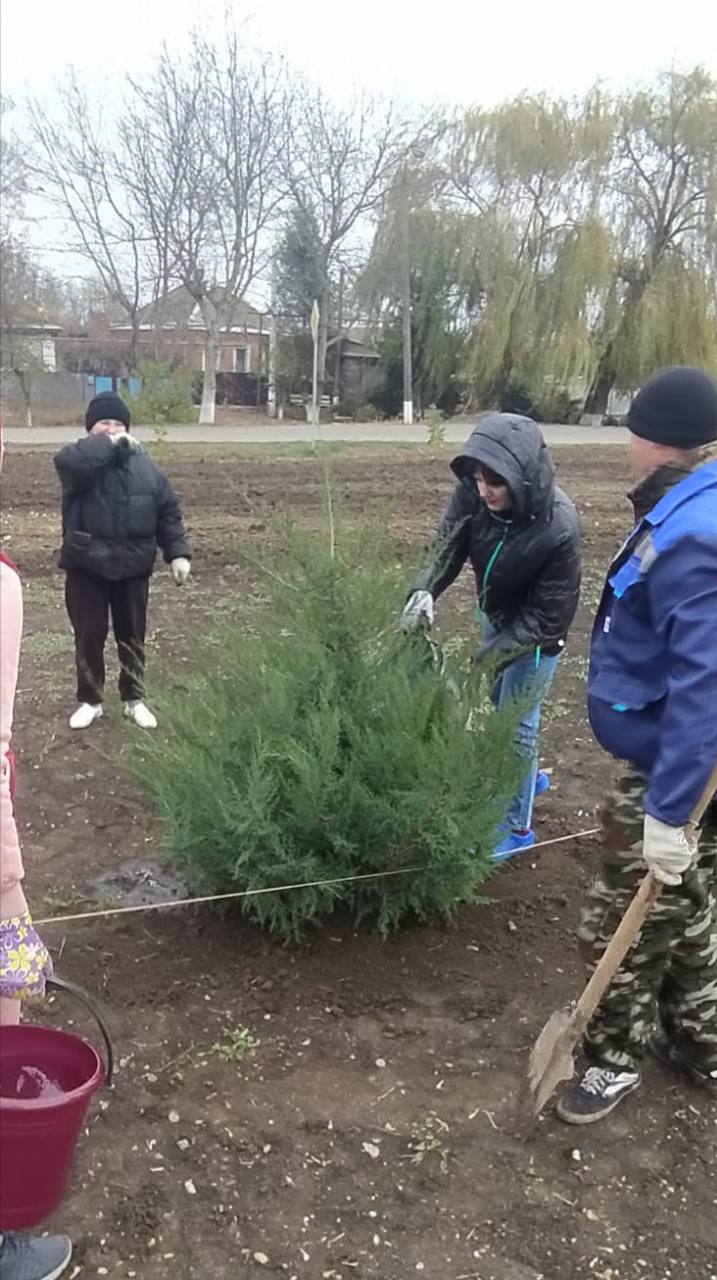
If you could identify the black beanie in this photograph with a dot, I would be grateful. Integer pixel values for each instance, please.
(676, 407)
(107, 405)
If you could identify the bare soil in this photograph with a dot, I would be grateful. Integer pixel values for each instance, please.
(373, 1131)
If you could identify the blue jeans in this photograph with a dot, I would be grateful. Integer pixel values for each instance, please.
(531, 672)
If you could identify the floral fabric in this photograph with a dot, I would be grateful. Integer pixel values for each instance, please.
(25, 962)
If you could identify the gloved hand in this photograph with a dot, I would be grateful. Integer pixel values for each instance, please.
(24, 959)
(495, 655)
(127, 441)
(668, 851)
(418, 613)
(181, 569)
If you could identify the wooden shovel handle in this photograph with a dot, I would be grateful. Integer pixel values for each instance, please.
(631, 924)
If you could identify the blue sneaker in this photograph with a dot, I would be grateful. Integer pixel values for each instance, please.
(542, 782)
(34, 1257)
(512, 844)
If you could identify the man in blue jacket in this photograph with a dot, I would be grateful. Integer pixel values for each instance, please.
(652, 700)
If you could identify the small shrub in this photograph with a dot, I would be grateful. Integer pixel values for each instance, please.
(166, 397)
(557, 406)
(428, 1139)
(318, 743)
(518, 396)
(436, 427)
(236, 1044)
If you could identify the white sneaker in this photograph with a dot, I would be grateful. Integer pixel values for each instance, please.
(85, 715)
(140, 715)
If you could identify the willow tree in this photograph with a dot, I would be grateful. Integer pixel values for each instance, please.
(419, 260)
(530, 171)
(661, 202)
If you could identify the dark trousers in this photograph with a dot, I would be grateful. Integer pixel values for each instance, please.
(90, 602)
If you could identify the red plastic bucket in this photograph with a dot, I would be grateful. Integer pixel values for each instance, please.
(47, 1081)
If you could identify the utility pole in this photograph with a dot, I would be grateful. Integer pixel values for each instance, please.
(339, 339)
(260, 360)
(315, 404)
(271, 388)
(406, 305)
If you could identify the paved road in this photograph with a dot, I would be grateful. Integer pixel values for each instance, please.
(299, 432)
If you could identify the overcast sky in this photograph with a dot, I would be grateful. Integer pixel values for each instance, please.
(446, 50)
(434, 51)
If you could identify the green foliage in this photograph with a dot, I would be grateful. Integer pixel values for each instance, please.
(438, 244)
(299, 269)
(319, 742)
(236, 1044)
(166, 396)
(436, 427)
(428, 1139)
(518, 396)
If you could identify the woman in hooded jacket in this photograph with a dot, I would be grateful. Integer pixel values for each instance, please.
(521, 534)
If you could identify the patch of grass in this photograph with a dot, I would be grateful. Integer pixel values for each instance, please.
(55, 905)
(293, 450)
(555, 709)
(42, 591)
(578, 663)
(236, 1044)
(428, 1139)
(44, 645)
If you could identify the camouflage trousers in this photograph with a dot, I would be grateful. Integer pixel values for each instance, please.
(670, 975)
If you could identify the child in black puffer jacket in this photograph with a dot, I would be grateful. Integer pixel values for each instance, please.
(118, 507)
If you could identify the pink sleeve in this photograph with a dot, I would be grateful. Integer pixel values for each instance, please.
(12, 898)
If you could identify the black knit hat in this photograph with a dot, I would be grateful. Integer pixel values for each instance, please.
(676, 407)
(107, 405)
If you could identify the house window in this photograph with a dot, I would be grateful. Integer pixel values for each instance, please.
(241, 360)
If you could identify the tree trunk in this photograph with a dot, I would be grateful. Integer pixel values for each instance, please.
(25, 380)
(606, 372)
(504, 374)
(602, 384)
(207, 409)
(134, 343)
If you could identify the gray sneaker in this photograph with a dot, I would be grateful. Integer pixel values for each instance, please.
(33, 1257)
(596, 1095)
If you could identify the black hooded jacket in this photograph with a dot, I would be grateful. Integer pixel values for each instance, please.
(527, 563)
(117, 507)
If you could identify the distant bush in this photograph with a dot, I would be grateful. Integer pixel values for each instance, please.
(436, 427)
(318, 742)
(165, 397)
(518, 397)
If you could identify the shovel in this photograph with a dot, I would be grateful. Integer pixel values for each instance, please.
(551, 1059)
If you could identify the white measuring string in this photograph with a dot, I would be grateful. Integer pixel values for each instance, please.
(276, 888)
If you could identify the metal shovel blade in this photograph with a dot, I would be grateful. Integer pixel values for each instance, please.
(551, 1059)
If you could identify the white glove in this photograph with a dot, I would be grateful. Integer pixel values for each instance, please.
(129, 442)
(668, 851)
(181, 569)
(418, 613)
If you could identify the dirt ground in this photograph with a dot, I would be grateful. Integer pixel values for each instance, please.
(297, 1161)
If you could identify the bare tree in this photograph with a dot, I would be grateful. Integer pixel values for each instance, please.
(85, 177)
(30, 297)
(13, 174)
(338, 164)
(209, 135)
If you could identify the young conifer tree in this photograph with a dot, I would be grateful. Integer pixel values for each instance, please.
(315, 742)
